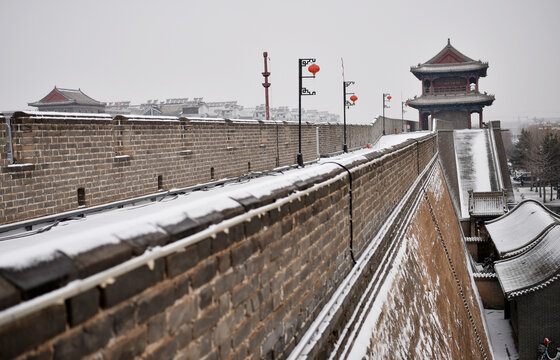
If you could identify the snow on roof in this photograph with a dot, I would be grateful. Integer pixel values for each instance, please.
(445, 68)
(473, 158)
(534, 269)
(492, 203)
(474, 239)
(520, 227)
(450, 99)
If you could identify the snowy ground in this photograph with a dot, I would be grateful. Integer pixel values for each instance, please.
(522, 193)
(501, 336)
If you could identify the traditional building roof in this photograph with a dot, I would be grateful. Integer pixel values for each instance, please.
(534, 269)
(519, 230)
(471, 98)
(449, 60)
(488, 203)
(475, 239)
(66, 97)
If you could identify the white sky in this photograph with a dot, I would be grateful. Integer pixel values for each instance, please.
(140, 50)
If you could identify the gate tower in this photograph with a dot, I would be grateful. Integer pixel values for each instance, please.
(450, 89)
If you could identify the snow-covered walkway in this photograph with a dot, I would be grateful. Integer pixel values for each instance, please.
(501, 336)
(475, 164)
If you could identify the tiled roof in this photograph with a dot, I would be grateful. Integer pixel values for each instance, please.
(449, 60)
(71, 96)
(492, 203)
(519, 228)
(475, 239)
(442, 100)
(484, 275)
(447, 68)
(447, 49)
(534, 269)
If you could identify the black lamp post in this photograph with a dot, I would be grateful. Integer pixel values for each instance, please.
(347, 104)
(313, 68)
(388, 97)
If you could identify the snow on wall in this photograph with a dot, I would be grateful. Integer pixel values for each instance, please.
(419, 313)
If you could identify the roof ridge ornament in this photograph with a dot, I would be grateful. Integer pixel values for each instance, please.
(448, 41)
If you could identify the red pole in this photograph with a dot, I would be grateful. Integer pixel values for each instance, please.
(266, 85)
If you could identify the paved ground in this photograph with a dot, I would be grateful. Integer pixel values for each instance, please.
(501, 337)
(524, 192)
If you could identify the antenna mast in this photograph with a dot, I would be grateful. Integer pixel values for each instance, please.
(266, 85)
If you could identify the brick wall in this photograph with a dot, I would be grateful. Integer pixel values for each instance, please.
(490, 292)
(119, 158)
(534, 316)
(428, 309)
(502, 158)
(331, 136)
(446, 145)
(249, 289)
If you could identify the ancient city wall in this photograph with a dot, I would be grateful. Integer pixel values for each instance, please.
(331, 136)
(118, 158)
(428, 308)
(249, 286)
(495, 127)
(446, 146)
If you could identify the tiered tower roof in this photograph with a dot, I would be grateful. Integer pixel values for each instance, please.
(449, 60)
(450, 63)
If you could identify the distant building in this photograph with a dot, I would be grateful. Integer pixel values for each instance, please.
(450, 89)
(218, 109)
(68, 100)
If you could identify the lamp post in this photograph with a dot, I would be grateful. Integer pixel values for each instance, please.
(314, 69)
(403, 104)
(347, 104)
(388, 97)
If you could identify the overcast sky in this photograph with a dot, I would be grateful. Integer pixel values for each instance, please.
(140, 50)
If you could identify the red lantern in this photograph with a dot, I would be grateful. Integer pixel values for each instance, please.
(405, 104)
(353, 98)
(314, 69)
(389, 97)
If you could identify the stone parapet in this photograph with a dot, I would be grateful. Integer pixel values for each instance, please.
(243, 283)
(66, 162)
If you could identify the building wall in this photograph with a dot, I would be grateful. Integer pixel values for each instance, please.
(534, 316)
(115, 159)
(250, 290)
(490, 292)
(458, 118)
